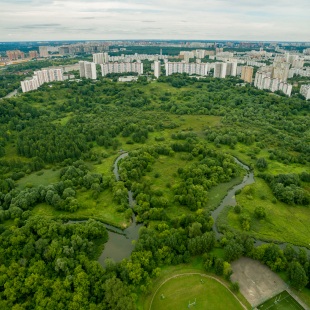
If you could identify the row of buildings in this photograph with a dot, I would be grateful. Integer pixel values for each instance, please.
(221, 69)
(184, 67)
(264, 80)
(40, 77)
(89, 70)
(121, 67)
(18, 55)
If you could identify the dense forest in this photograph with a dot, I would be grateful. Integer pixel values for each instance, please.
(182, 135)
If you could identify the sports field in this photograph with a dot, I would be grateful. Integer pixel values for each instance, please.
(282, 301)
(194, 291)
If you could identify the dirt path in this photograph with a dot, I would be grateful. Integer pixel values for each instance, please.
(202, 275)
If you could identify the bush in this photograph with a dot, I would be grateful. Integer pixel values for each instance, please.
(237, 209)
(234, 286)
(260, 212)
(237, 192)
(261, 164)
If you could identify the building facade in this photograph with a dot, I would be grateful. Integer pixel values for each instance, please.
(88, 70)
(305, 91)
(189, 68)
(247, 74)
(121, 67)
(157, 69)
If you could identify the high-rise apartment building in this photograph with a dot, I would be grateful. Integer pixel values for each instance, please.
(98, 58)
(280, 71)
(189, 68)
(305, 91)
(106, 57)
(157, 69)
(40, 77)
(263, 80)
(220, 70)
(30, 84)
(247, 74)
(231, 68)
(33, 54)
(121, 67)
(88, 70)
(43, 51)
(15, 54)
(298, 63)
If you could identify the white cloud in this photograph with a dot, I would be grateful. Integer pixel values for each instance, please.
(155, 19)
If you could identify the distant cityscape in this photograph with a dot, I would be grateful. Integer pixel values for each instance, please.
(266, 66)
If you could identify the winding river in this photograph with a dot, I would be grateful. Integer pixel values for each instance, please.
(120, 243)
(230, 198)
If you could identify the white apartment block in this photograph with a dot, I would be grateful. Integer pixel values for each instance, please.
(98, 58)
(122, 67)
(189, 68)
(298, 63)
(157, 69)
(49, 75)
(263, 80)
(231, 68)
(280, 71)
(302, 72)
(225, 55)
(88, 70)
(220, 70)
(40, 77)
(274, 85)
(30, 84)
(305, 91)
(255, 63)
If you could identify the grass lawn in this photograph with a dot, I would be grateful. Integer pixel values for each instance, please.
(177, 292)
(283, 223)
(282, 301)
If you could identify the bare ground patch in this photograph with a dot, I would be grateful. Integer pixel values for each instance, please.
(257, 282)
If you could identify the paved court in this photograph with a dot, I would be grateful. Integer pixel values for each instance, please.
(257, 282)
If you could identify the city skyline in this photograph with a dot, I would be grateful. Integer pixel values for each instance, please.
(45, 20)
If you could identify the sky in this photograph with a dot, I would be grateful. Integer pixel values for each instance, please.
(256, 20)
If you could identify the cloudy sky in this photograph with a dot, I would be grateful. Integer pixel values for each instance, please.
(275, 20)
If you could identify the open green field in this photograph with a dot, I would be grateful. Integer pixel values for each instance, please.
(194, 266)
(275, 226)
(282, 301)
(102, 209)
(43, 177)
(207, 293)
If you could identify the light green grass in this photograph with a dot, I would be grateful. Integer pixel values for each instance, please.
(194, 266)
(208, 293)
(218, 193)
(43, 177)
(304, 295)
(242, 152)
(283, 223)
(285, 302)
(102, 209)
(106, 165)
